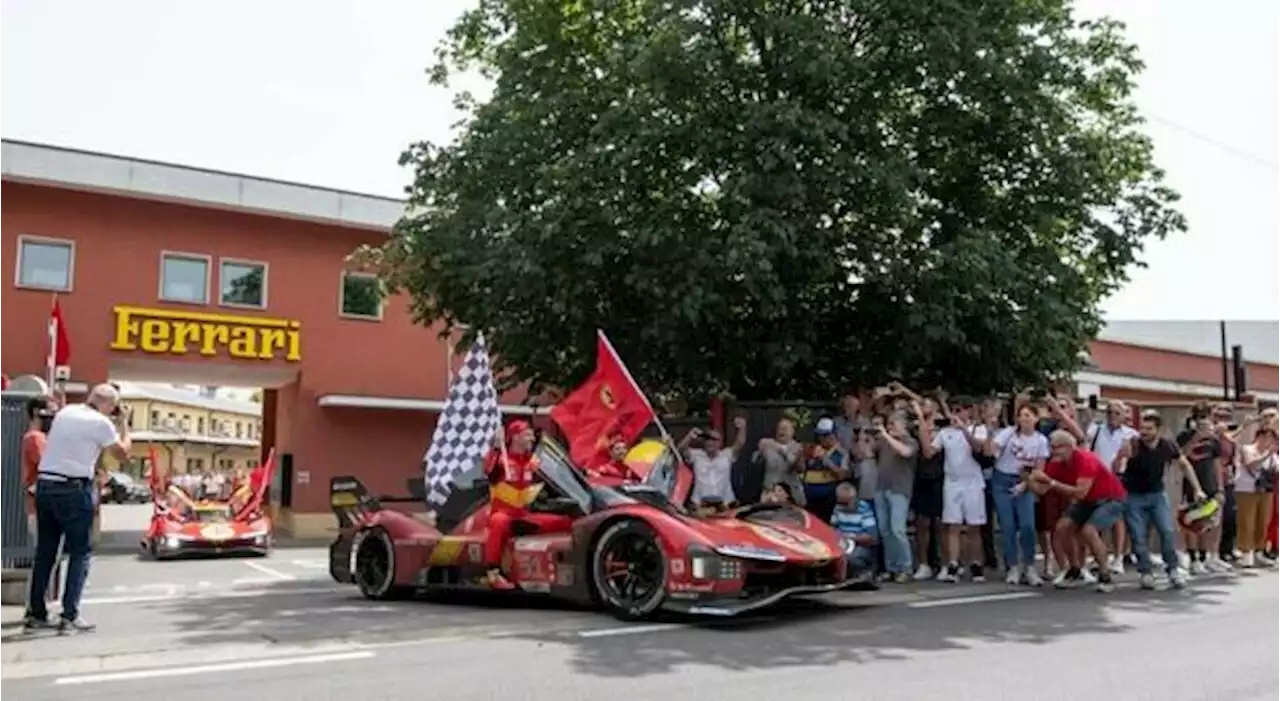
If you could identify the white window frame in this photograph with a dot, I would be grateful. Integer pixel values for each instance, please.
(208, 276)
(342, 279)
(49, 240)
(266, 276)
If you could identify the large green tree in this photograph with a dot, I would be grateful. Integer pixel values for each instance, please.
(783, 197)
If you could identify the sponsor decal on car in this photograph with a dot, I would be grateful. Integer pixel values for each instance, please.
(794, 541)
(217, 531)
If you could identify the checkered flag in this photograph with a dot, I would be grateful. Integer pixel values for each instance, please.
(465, 429)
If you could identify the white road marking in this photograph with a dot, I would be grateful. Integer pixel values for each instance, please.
(268, 571)
(980, 599)
(293, 613)
(252, 581)
(210, 668)
(627, 630)
(313, 564)
(231, 594)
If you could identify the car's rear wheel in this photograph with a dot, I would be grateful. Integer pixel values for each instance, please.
(375, 566)
(629, 570)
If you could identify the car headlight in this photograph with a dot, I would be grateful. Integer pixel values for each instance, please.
(172, 541)
(847, 545)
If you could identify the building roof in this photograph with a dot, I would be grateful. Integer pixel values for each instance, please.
(184, 397)
(1260, 339)
(73, 169)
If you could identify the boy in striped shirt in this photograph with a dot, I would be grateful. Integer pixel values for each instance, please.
(856, 520)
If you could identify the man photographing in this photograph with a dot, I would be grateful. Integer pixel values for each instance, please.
(65, 500)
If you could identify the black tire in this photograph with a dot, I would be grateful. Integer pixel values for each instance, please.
(375, 566)
(638, 592)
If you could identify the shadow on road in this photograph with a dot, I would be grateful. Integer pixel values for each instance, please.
(802, 632)
(808, 633)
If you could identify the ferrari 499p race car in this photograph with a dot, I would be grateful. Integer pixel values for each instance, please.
(185, 526)
(632, 549)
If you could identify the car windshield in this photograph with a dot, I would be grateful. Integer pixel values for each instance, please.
(122, 478)
(213, 514)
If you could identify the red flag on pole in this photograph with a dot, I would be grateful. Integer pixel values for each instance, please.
(609, 404)
(59, 343)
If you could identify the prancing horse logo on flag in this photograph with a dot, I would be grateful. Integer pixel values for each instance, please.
(606, 397)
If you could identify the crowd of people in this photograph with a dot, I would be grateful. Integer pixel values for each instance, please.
(1019, 482)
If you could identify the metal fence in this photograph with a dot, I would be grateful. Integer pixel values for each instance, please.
(15, 538)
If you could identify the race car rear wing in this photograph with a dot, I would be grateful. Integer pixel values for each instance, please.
(351, 501)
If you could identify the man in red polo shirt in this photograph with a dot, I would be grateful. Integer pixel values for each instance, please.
(1097, 502)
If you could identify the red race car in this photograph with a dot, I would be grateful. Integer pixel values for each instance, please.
(631, 548)
(182, 526)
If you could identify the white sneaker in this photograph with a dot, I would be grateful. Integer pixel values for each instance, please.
(1198, 567)
(1033, 578)
(1014, 576)
(949, 574)
(1117, 565)
(1157, 562)
(1219, 566)
(923, 573)
(1178, 578)
(1246, 560)
(1184, 561)
(1147, 581)
(1088, 578)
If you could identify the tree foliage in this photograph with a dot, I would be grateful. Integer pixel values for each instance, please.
(783, 197)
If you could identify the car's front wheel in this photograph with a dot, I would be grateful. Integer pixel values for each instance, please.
(375, 566)
(629, 570)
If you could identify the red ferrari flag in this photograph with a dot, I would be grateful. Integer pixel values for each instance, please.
(59, 343)
(259, 481)
(609, 404)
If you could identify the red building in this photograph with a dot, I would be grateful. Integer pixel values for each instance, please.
(175, 274)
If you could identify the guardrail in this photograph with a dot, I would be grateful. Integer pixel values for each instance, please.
(16, 545)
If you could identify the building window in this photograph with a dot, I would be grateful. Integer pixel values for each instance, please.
(242, 283)
(249, 431)
(45, 264)
(195, 464)
(155, 420)
(239, 430)
(184, 277)
(200, 425)
(361, 296)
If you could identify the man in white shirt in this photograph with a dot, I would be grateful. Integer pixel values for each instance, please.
(713, 463)
(65, 500)
(964, 501)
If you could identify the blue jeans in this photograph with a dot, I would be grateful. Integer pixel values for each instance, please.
(63, 510)
(1016, 516)
(862, 559)
(1142, 511)
(891, 519)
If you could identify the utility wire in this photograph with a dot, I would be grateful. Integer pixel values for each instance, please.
(1220, 145)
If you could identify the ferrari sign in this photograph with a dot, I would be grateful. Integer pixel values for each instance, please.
(170, 332)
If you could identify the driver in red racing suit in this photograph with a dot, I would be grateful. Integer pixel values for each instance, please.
(512, 486)
(615, 470)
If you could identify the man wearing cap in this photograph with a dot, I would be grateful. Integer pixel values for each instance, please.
(513, 483)
(826, 464)
(1098, 502)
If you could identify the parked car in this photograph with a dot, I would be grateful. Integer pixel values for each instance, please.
(124, 489)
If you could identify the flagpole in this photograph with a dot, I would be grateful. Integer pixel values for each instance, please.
(636, 386)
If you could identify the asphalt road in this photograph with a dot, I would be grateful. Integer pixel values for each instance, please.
(277, 627)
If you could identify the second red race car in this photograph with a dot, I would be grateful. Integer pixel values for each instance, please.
(630, 548)
(182, 525)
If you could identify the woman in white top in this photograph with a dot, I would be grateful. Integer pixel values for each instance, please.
(1255, 480)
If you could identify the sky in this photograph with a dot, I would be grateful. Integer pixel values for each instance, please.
(329, 92)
